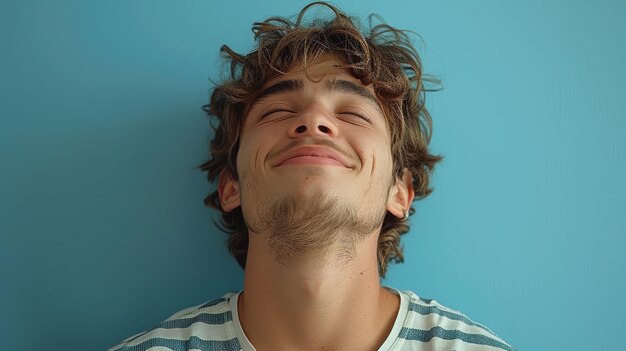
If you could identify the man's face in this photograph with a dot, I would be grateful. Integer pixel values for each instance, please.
(298, 120)
(306, 141)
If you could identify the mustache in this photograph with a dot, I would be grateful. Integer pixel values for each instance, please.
(313, 141)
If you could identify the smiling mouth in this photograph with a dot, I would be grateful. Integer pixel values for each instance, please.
(313, 155)
(312, 160)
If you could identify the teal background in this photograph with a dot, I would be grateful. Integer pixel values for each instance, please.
(103, 231)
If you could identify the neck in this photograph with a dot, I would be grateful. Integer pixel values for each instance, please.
(316, 301)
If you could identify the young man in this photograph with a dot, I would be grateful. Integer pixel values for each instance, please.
(321, 148)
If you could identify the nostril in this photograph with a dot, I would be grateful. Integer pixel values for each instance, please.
(324, 129)
(301, 129)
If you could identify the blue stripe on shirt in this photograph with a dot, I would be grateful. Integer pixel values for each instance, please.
(438, 332)
(426, 310)
(194, 342)
(207, 318)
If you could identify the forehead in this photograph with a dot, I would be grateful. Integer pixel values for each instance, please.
(323, 68)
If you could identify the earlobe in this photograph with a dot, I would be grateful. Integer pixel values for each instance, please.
(401, 195)
(228, 191)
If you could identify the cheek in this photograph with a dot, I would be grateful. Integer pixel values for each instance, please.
(375, 152)
(253, 152)
(380, 163)
(243, 157)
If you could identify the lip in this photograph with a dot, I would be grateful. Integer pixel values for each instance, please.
(310, 154)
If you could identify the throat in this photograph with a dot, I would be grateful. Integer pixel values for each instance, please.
(310, 321)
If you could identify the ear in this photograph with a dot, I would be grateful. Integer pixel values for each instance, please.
(228, 191)
(401, 195)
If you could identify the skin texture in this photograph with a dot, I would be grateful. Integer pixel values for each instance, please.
(311, 280)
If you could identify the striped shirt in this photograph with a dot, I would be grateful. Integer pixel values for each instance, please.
(421, 324)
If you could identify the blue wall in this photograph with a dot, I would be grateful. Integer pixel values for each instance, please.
(103, 232)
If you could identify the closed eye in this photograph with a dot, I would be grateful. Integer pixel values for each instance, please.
(274, 110)
(356, 114)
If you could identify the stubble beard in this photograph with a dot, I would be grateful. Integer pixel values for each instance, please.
(321, 224)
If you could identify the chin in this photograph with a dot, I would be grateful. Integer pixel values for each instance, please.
(309, 181)
(311, 188)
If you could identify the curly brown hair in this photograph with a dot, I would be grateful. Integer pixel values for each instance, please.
(384, 58)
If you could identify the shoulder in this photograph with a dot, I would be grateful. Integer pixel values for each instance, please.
(430, 322)
(207, 326)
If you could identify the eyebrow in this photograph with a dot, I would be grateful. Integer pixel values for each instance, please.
(280, 87)
(345, 86)
(333, 85)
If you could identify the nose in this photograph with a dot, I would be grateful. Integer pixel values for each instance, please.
(314, 121)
